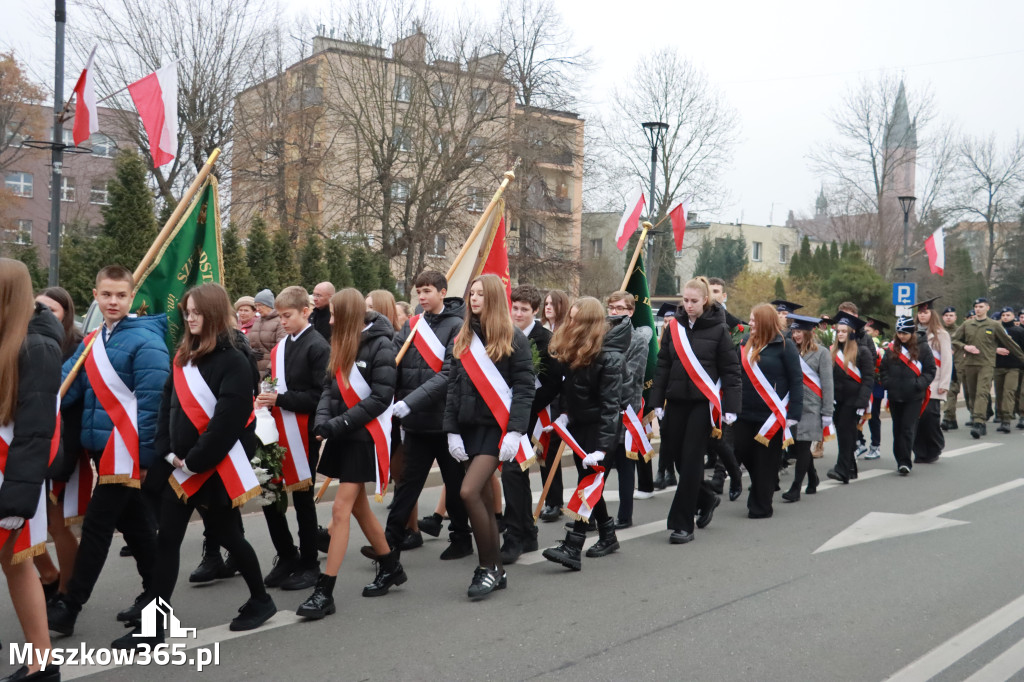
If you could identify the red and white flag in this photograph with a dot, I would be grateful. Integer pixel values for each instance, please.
(637, 443)
(497, 259)
(936, 247)
(87, 119)
(630, 219)
(677, 215)
(156, 99)
(353, 392)
(591, 487)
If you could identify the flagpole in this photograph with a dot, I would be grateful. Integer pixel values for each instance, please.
(154, 249)
(636, 253)
(556, 464)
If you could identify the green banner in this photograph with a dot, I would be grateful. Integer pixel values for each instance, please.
(190, 256)
(643, 316)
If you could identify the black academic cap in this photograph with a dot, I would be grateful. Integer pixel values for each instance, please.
(802, 322)
(877, 323)
(849, 319)
(788, 306)
(926, 305)
(667, 310)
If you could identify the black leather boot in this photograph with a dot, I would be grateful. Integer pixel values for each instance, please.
(607, 542)
(389, 573)
(209, 569)
(567, 552)
(321, 602)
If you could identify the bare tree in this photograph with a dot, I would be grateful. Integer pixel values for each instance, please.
(20, 117)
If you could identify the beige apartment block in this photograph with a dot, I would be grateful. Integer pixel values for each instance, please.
(769, 247)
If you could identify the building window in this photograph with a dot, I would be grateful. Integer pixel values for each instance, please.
(63, 231)
(476, 148)
(68, 135)
(400, 191)
(477, 199)
(442, 94)
(479, 97)
(403, 88)
(595, 248)
(20, 234)
(783, 253)
(438, 245)
(679, 284)
(440, 198)
(403, 139)
(532, 239)
(103, 146)
(755, 252)
(67, 188)
(99, 194)
(19, 184)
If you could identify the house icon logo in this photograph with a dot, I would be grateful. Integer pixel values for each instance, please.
(158, 616)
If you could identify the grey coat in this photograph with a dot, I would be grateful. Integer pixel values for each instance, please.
(636, 364)
(810, 427)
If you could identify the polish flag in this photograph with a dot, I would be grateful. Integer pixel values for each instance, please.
(630, 219)
(677, 214)
(87, 121)
(936, 248)
(156, 99)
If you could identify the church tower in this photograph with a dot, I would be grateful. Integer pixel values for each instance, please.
(821, 204)
(900, 151)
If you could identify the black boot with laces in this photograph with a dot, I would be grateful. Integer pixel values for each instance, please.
(389, 573)
(485, 581)
(321, 602)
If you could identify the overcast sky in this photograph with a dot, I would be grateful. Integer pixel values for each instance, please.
(782, 65)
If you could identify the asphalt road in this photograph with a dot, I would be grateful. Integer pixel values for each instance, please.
(801, 596)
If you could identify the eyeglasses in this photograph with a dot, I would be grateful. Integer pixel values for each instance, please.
(618, 309)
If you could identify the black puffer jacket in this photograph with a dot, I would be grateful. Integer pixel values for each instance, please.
(230, 372)
(466, 407)
(848, 389)
(375, 361)
(780, 363)
(902, 384)
(594, 396)
(35, 415)
(1009, 361)
(422, 389)
(712, 343)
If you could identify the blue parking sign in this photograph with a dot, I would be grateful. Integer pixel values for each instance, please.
(904, 293)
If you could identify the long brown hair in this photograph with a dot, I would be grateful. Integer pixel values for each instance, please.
(911, 345)
(577, 342)
(934, 324)
(495, 321)
(766, 328)
(17, 306)
(849, 348)
(560, 304)
(384, 303)
(348, 307)
(212, 302)
(72, 337)
(808, 345)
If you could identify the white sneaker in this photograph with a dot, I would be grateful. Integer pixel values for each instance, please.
(861, 451)
(873, 453)
(642, 495)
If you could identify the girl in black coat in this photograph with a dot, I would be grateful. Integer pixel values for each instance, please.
(776, 358)
(688, 428)
(29, 383)
(592, 351)
(474, 435)
(853, 377)
(355, 425)
(907, 380)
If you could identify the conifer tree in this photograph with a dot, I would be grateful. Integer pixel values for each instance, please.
(260, 257)
(129, 222)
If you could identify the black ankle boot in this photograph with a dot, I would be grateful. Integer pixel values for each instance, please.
(209, 569)
(321, 602)
(389, 573)
(607, 542)
(812, 482)
(567, 552)
(793, 494)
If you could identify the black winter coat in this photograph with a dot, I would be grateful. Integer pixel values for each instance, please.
(902, 384)
(466, 407)
(35, 415)
(423, 389)
(550, 376)
(63, 465)
(1009, 361)
(780, 363)
(375, 360)
(848, 389)
(305, 363)
(320, 318)
(594, 396)
(712, 344)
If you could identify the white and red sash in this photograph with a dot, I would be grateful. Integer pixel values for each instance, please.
(77, 491)
(235, 470)
(811, 379)
(637, 443)
(31, 539)
(541, 438)
(430, 347)
(828, 433)
(777, 405)
(294, 430)
(380, 428)
(851, 370)
(590, 488)
(496, 393)
(712, 390)
(119, 462)
(916, 367)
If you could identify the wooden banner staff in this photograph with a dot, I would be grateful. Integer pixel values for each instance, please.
(510, 175)
(154, 249)
(556, 464)
(636, 252)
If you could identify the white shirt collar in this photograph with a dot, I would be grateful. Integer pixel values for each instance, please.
(295, 337)
(529, 329)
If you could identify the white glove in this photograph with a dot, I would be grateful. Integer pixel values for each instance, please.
(562, 420)
(401, 410)
(790, 423)
(659, 412)
(593, 458)
(826, 422)
(12, 522)
(729, 417)
(456, 448)
(860, 412)
(509, 446)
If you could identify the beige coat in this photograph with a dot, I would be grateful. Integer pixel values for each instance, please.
(266, 331)
(942, 349)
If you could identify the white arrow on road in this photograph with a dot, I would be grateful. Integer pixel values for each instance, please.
(883, 525)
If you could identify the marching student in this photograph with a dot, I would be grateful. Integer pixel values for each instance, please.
(720, 450)
(906, 373)
(773, 392)
(205, 439)
(487, 412)
(873, 330)
(120, 386)
(354, 418)
(819, 399)
(298, 362)
(853, 377)
(30, 355)
(1008, 372)
(696, 391)
(930, 441)
(592, 351)
(556, 309)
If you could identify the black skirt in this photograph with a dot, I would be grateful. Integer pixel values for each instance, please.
(481, 440)
(349, 461)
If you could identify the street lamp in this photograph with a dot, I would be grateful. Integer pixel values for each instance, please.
(655, 133)
(906, 203)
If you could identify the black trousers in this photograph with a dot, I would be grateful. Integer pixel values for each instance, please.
(113, 506)
(421, 450)
(725, 458)
(875, 421)
(930, 441)
(801, 449)
(905, 415)
(515, 484)
(626, 470)
(223, 525)
(305, 513)
(762, 463)
(686, 431)
(555, 493)
(645, 475)
(845, 420)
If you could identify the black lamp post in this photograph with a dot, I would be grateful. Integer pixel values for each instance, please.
(906, 203)
(655, 133)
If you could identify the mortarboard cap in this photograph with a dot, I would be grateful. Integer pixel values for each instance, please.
(802, 322)
(788, 306)
(667, 310)
(877, 323)
(926, 305)
(849, 319)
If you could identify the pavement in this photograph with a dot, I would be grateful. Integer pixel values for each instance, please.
(888, 577)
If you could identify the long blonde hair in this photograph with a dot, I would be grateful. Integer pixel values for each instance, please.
(17, 305)
(766, 328)
(577, 342)
(348, 307)
(849, 348)
(495, 321)
(384, 303)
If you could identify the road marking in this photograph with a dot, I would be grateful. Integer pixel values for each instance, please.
(953, 649)
(968, 449)
(1003, 667)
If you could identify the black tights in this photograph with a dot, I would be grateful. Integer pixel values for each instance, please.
(801, 449)
(600, 513)
(478, 496)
